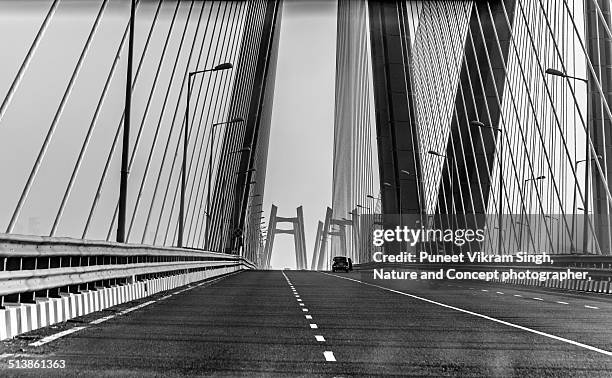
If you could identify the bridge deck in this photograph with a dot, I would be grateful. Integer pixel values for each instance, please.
(252, 323)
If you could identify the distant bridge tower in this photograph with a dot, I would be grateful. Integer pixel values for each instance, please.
(297, 232)
(324, 231)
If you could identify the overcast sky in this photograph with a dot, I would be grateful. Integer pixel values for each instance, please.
(300, 153)
(300, 157)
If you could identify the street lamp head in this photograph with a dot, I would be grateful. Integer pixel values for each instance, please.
(223, 66)
(431, 152)
(555, 72)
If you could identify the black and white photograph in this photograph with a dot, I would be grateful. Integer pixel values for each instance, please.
(297, 188)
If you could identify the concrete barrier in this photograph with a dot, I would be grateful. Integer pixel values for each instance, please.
(19, 318)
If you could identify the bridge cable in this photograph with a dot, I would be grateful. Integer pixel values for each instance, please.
(56, 117)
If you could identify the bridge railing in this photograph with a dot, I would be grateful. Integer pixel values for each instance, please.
(598, 269)
(46, 280)
(33, 267)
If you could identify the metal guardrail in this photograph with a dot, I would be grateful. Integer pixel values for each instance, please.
(32, 266)
(598, 267)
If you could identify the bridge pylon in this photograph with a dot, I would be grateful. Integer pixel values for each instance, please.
(324, 231)
(297, 232)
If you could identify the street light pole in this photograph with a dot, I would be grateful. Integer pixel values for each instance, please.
(556, 72)
(181, 225)
(212, 142)
(501, 180)
(123, 184)
(533, 179)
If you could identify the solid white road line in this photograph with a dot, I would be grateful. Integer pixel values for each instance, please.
(329, 356)
(56, 336)
(98, 321)
(550, 336)
(319, 338)
(136, 307)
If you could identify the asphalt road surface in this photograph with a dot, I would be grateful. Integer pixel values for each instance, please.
(288, 323)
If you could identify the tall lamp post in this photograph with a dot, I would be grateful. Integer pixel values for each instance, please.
(501, 180)
(220, 67)
(123, 183)
(585, 241)
(559, 73)
(212, 143)
(532, 179)
(452, 189)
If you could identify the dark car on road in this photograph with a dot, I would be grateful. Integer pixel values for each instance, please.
(342, 263)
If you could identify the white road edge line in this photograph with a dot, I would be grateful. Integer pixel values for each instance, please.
(56, 336)
(98, 321)
(329, 356)
(554, 337)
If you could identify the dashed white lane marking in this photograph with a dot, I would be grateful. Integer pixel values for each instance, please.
(329, 356)
(561, 302)
(56, 336)
(499, 292)
(313, 326)
(305, 309)
(518, 295)
(166, 297)
(308, 316)
(301, 304)
(299, 300)
(319, 338)
(484, 290)
(593, 307)
(538, 299)
(554, 337)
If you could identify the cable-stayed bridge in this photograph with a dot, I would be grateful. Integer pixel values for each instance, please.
(134, 140)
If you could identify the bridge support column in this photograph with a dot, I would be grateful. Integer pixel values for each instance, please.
(297, 232)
